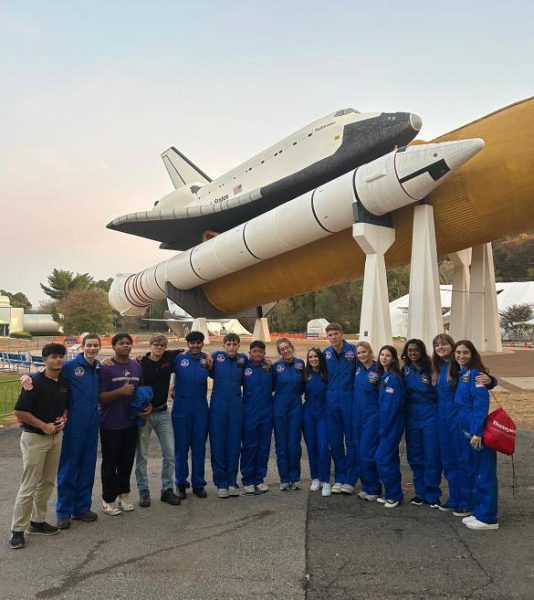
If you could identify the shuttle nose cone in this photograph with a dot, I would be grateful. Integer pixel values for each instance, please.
(416, 122)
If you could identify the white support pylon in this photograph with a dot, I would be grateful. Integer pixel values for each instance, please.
(484, 329)
(201, 324)
(375, 319)
(425, 317)
(261, 330)
(458, 323)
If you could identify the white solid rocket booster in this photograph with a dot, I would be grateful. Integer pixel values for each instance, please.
(388, 183)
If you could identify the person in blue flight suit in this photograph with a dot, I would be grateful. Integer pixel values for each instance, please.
(340, 362)
(365, 419)
(226, 415)
(257, 419)
(478, 463)
(422, 437)
(77, 463)
(450, 435)
(390, 427)
(190, 415)
(314, 426)
(288, 386)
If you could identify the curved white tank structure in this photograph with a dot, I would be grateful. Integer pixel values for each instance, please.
(41, 324)
(388, 183)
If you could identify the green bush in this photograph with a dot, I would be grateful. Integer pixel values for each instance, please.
(21, 335)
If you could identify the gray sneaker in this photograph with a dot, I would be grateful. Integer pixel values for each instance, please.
(42, 528)
(144, 499)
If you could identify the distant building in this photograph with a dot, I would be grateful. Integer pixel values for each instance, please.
(13, 320)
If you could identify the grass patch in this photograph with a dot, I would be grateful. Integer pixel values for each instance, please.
(9, 393)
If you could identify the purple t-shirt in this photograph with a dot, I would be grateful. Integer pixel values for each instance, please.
(116, 414)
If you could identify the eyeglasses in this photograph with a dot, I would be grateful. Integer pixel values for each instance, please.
(156, 345)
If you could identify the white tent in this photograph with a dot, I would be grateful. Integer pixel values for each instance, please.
(508, 293)
(316, 328)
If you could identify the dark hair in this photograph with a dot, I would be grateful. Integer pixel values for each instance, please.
(333, 327)
(475, 363)
(91, 336)
(49, 349)
(231, 337)
(425, 363)
(119, 336)
(257, 344)
(194, 336)
(323, 371)
(437, 361)
(395, 365)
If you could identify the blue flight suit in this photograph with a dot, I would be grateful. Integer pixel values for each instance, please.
(422, 437)
(365, 420)
(288, 385)
(315, 428)
(339, 410)
(257, 422)
(450, 436)
(390, 430)
(226, 417)
(77, 464)
(190, 417)
(479, 487)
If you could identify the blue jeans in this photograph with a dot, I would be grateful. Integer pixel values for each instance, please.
(161, 423)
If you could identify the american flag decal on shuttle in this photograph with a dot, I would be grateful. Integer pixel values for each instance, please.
(237, 189)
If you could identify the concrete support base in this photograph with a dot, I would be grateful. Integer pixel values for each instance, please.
(261, 330)
(201, 324)
(484, 330)
(425, 319)
(460, 294)
(375, 320)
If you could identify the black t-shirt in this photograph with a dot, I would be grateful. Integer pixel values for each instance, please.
(47, 401)
(157, 374)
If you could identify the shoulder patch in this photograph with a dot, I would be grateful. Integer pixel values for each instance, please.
(79, 371)
(248, 372)
(279, 368)
(221, 358)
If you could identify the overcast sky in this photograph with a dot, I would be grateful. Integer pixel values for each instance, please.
(92, 92)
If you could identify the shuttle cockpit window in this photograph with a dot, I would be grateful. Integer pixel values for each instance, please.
(346, 111)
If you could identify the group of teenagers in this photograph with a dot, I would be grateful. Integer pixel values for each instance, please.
(350, 407)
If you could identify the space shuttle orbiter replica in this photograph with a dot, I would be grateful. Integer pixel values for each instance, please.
(280, 223)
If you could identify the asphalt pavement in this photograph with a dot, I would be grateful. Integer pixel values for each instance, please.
(278, 545)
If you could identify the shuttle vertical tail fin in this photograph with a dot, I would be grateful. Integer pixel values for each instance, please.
(181, 169)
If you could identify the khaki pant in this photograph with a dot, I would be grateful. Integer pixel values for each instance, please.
(40, 458)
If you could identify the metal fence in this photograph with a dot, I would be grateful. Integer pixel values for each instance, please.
(9, 392)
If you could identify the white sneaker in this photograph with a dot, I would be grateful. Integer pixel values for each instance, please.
(336, 488)
(326, 491)
(110, 508)
(462, 513)
(467, 519)
(248, 489)
(315, 485)
(284, 487)
(474, 523)
(381, 500)
(123, 502)
(262, 487)
(391, 503)
(222, 493)
(346, 488)
(369, 497)
(296, 485)
(233, 490)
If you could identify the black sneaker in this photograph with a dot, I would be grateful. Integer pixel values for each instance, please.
(200, 492)
(87, 517)
(17, 540)
(416, 501)
(144, 499)
(170, 497)
(182, 493)
(42, 528)
(436, 504)
(447, 507)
